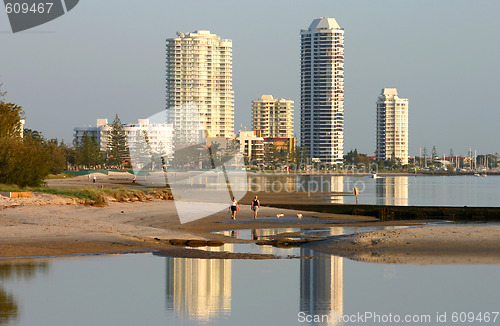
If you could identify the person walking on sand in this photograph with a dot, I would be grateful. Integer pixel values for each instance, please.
(255, 207)
(94, 179)
(234, 207)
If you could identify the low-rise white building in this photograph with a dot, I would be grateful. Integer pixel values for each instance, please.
(21, 128)
(157, 138)
(252, 146)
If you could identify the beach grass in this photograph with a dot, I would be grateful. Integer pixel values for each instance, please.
(60, 176)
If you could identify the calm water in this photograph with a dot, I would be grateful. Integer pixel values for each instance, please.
(144, 289)
(403, 191)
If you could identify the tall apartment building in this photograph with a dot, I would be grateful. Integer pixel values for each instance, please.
(273, 117)
(199, 70)
(392, 126)
(322, 90)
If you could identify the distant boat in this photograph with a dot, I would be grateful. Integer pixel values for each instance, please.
(374, 176)
(477, 175)
(484, 175)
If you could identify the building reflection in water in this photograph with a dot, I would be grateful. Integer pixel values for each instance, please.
(199, 289)
(321, 285)
(320, 185)
(337, 185)
(272, 183)
(392, 191)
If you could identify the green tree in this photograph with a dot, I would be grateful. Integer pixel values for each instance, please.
(434, 152)
(70, 154)
(57, 155)
(36, 135)
(117, 145)
(271, 153)
(142, 152)
(10, 117)
(350, 158)
(87, 152)
(24, 162)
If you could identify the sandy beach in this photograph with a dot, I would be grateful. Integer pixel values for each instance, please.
(47, 225)
(446, 244)
(53, 225)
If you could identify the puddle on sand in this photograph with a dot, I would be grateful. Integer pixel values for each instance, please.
(252, 248)
(284, 234)
(287, 242)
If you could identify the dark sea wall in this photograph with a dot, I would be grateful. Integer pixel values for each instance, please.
(394, 213)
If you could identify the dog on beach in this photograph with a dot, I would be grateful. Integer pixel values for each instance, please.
(299, 216)
(280, 215)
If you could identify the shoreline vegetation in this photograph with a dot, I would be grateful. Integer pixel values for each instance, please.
(95, 196)
(71, 215)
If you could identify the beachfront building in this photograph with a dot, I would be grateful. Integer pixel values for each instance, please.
(155, 137)
(273, 117)
(100, 132)
(199, 71)
(21, 127)
(279, 150)
(252, 147)
(322, 91)
(188, 129)
(392, 126)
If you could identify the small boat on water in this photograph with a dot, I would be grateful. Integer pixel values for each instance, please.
(477, 175)
(374, 176)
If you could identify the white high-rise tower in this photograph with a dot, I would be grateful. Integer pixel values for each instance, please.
(322, 90)
(199, 71)
(392, 126)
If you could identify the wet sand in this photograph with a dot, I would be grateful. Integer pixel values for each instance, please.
(447, 244)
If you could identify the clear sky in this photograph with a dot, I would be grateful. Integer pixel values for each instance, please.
(108, 57)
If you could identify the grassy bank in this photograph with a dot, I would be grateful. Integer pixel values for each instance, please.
(97, 196)
(60, 176)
